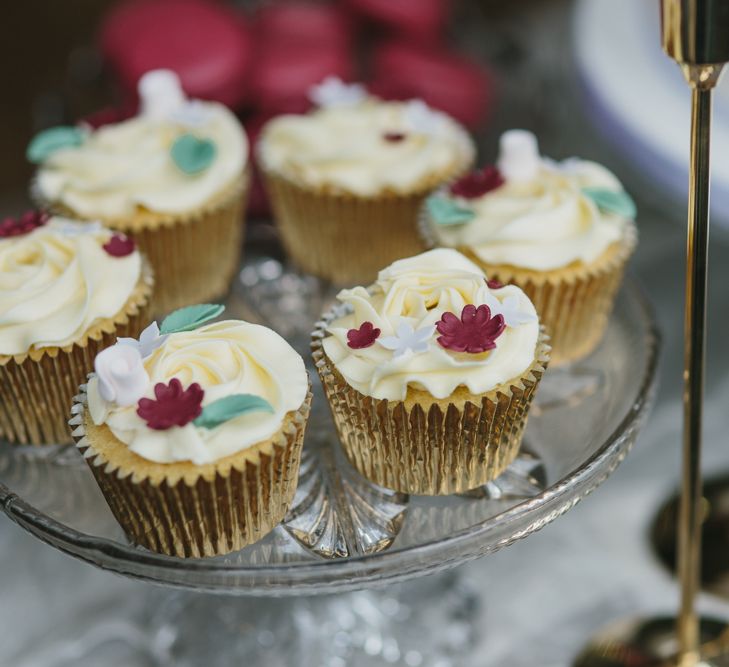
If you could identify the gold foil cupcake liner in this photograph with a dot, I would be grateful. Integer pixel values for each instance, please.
(37, 388)
(425, 445)
(194, 255)
(190, 511)
(344, 238)
(574, 303)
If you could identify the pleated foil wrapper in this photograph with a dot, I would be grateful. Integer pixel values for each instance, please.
(574, 302)
(194, 255)
(190, 511)
(37, 388)
(344, 238)
(424, 445)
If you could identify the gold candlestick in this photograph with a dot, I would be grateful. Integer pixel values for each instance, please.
(695, 33)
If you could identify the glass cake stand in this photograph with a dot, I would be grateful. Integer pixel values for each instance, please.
(342, 533)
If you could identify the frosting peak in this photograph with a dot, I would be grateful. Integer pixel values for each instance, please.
(366, 146)
(543, 216)
(223, 359)
(410, 300)
(56, 281)
(119, 169)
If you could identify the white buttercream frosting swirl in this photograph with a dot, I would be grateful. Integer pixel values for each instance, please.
(416, 292)
(344, 147)
(540, 218)
(57, 281)
(224, 358)
(122, 168)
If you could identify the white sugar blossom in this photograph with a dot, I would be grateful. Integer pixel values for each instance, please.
(508, 308)
(519, 158)
(333, 92)
(408, 339)
(148, 341)
(121, 374)
(160, 94)
(192, 114)
(71, 228)
(421, 118)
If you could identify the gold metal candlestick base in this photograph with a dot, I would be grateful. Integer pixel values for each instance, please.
(653, 643)
(714, 536)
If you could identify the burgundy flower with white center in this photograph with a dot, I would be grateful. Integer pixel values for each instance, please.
(172, 405)
(25, 224)
(119, 245)
(477, 183)
(475, 332)
(494, 284)
(363, 337)
(394, 137)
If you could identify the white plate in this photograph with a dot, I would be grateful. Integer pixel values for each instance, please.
(638, 99)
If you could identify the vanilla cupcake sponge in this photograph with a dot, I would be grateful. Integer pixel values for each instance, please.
(430, 374)
(67, 291)
(562, 231)
(347, 180)
(194, 432)
(175, 177)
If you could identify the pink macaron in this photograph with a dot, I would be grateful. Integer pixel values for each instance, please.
(422, 20)
(291, 21)
(207, 44)
(444, 79)
(285, 72)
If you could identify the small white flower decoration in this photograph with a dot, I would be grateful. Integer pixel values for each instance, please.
(148, 342)
(508, 309)
(122, 377)
(519, 158)
(333, 92)
(408, 339)
(421, 118)
(72, 229)
(160, 94)
(192, 114)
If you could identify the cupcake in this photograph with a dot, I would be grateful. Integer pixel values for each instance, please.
(194, 432)
(67, 290)
(562, 231)
(346, 180)
(173, 177)
(430, 372)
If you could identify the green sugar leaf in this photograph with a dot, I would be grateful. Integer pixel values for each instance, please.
(190, 317)
(193, 155)
(447, 212)
(230, 407)
(612, 201)
(49, 141)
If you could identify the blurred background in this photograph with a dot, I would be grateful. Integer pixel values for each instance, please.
(589, 78)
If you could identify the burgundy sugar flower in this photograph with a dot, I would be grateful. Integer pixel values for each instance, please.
(477, 183)
(363, 337)
(394, 137)
(173, 405)
(494, 284)
(119, 246)
(25, 224)
(476, 331)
